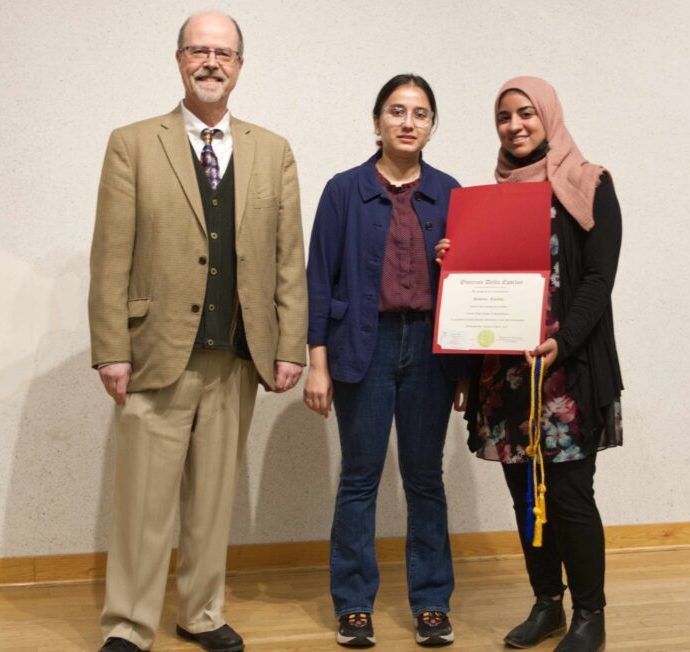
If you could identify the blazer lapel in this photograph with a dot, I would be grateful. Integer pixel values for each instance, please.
(243, 162)
(173, 137)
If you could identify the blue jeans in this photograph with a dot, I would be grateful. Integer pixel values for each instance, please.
(406, 381)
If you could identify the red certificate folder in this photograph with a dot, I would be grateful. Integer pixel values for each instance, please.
(502, 229)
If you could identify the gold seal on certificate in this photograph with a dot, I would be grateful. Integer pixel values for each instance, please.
(491, 312)
(486, 337)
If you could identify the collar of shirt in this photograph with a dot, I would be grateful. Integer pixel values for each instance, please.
(222, 146)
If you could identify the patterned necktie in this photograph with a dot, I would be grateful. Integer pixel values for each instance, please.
(208, 157)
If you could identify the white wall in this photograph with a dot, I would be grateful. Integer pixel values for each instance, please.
(74, 70)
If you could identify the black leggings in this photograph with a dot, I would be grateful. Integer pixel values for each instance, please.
(573, 535)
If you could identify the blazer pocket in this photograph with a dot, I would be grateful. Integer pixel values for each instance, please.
(264, 202)
(137, 307)
(339, 308)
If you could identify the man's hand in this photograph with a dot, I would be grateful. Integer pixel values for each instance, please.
(115, 378)
(548, 348)
(461, 389)
(286, 375)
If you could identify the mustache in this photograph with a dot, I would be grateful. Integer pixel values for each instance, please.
(208, 72)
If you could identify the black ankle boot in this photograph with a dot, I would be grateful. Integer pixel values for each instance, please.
(587, 632)
(547, 618)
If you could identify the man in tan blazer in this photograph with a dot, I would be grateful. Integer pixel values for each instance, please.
(197, 294)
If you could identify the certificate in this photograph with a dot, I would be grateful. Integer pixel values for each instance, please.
(494, 278)
(491, 312)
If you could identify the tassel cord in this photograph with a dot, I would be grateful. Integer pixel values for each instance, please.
(536, 478)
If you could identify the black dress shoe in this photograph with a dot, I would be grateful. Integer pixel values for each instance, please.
(223, 639)
(547, 618)
(587, 632)
(116, 644)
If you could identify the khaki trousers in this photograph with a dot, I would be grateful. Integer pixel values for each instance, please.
(181, 443)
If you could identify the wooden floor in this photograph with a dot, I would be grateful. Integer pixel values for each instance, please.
(648, 595)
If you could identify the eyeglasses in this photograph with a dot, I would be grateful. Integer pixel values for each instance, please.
(201, 53)
(397, 113)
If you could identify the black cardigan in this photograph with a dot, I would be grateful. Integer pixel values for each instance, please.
(586, 342)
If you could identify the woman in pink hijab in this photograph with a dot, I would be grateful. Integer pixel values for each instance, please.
(581, 413)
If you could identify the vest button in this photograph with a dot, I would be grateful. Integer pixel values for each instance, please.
(214, 235)
(210, 342)
(215, 202)
(202, 260)
(213, 271)
(211, 307)
(195, 307)
(428, 226)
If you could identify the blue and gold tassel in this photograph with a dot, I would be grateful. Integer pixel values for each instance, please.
(536, 475)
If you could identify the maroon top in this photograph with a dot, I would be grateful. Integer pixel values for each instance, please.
(405, 279)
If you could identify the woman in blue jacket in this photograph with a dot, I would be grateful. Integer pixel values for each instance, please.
(372, 288)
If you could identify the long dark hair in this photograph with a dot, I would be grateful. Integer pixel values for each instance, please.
(403, 80)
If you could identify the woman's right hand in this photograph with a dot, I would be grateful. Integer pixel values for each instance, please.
(318, 389)
(441, 247)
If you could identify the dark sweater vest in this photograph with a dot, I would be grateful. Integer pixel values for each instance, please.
(221, 324)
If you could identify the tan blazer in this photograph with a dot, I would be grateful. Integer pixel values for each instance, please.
(148, 277)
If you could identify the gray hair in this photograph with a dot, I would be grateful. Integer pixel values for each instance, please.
(180, 35)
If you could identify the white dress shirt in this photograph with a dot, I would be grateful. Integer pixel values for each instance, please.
(222, 145)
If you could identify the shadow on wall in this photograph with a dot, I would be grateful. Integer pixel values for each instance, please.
(294, 496)
(289, 495)
(60, 488)
(460, 471)
(288, 482)
(63, 456)
(60, 468)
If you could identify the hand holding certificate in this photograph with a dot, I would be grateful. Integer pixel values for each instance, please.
(492, 295)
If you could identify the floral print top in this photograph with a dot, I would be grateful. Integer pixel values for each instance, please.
(504, 398)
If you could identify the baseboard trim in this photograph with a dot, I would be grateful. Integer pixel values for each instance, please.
(50, 569)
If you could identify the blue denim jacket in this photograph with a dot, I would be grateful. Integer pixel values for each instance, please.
(346, 255)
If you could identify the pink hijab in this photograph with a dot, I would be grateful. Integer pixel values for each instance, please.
(573, 179)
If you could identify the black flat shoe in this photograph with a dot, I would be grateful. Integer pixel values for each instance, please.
(116, 644)
(587, 632)
(547, 618)
(223, 639)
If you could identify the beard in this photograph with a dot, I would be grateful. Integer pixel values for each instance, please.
(209, 91)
